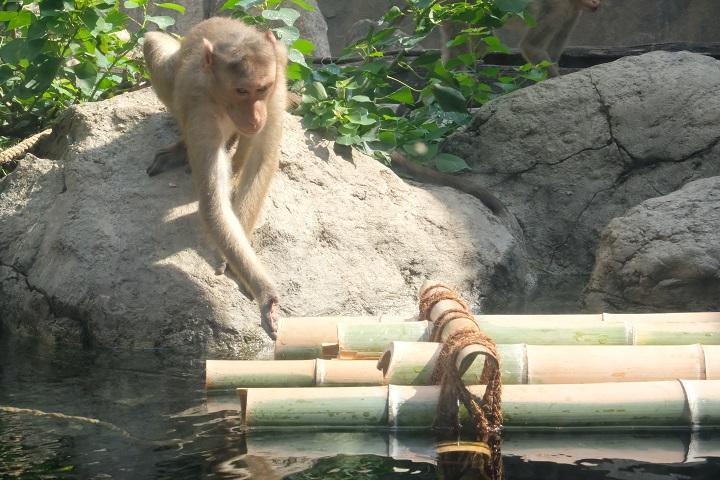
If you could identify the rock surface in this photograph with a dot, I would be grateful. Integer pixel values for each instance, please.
(569, 154)
(95, 252)
(663, 255)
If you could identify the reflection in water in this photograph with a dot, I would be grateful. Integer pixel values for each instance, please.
(158, 399)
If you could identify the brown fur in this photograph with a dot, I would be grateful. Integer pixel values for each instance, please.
(226, 80)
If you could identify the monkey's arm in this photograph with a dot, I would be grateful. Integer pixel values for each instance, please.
(252, 185)
(211, 171)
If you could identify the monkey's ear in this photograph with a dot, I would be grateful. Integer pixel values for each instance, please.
(207, 53)
(270, 36)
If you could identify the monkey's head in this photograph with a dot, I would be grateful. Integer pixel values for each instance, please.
(591, 5)
(244, 78)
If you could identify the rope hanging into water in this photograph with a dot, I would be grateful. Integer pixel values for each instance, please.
(486, 413)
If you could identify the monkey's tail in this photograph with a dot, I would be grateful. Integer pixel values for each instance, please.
(428, 175)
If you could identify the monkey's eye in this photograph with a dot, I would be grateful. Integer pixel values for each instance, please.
(241, 91)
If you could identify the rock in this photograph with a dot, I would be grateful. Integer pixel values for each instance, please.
(663, 255)
(94, 251)
(313, 27)
(567, 155)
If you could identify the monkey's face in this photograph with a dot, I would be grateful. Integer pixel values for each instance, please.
(244, 85)
(591, 5)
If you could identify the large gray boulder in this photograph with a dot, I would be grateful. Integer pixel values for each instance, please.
(567, 155)
(663, 255)
(95, 252)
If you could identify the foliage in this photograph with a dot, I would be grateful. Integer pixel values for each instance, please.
(411, 102)
(59, 52)
(281, 20)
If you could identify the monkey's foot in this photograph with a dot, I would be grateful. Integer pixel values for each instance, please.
(220, 270)
(269, 316)
(169, 157)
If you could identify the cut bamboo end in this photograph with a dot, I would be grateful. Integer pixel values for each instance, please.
(232, 374)
(356, 341)
(306, 338)
(610, 405)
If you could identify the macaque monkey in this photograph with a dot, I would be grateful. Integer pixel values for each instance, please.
(225, 83)
(555, 20)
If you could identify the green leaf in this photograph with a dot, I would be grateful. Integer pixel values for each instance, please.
(172, 6)
(403, 95)
(361, 99)
(392, 14)
(361, 119)
(297, 57)
(449, 99)
(495, 45)
(285, 15)
(305, 6)
(305, 47)
(348, 139)
(162, 21)
(288, 35)
(130, 4)
(449, 163)
(511, 6)
(317, 90)
(23, 18)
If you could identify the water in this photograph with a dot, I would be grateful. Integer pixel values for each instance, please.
(154, 426)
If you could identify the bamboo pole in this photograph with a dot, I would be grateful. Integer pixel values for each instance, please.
(670, 447)
(231, 374)
(634, 405)
(304, 338)
(365, 341)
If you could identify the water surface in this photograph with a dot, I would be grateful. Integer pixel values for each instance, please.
(141, 415)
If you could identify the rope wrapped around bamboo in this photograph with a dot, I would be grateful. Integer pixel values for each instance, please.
(460, 346)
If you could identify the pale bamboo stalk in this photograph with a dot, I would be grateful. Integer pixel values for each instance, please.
(301, 338)
(340, 406)
(231, 374)
(369, 341)
(412, 363)
(557, 446)
(599, 405)
(365, 341)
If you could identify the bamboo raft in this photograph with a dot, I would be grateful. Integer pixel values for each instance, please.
(634, 371)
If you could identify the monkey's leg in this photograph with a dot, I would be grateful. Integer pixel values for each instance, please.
(169, 157)
(557, 43)
(212, 175)
(533, 45)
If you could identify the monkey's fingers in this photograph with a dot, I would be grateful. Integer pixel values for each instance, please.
(269, 316)
(169, 157)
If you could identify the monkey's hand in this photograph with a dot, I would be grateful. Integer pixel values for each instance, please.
(269, 315)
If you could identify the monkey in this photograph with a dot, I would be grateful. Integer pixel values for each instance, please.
(555, 20)
(225, 84)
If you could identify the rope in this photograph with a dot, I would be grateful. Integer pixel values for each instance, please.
(433, 295)
(486, 413)
(21, 148)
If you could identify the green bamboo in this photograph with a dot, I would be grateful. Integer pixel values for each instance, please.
(341, 406)
(685, 403)
(231, 374)
(365, 341)
(369, 341)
